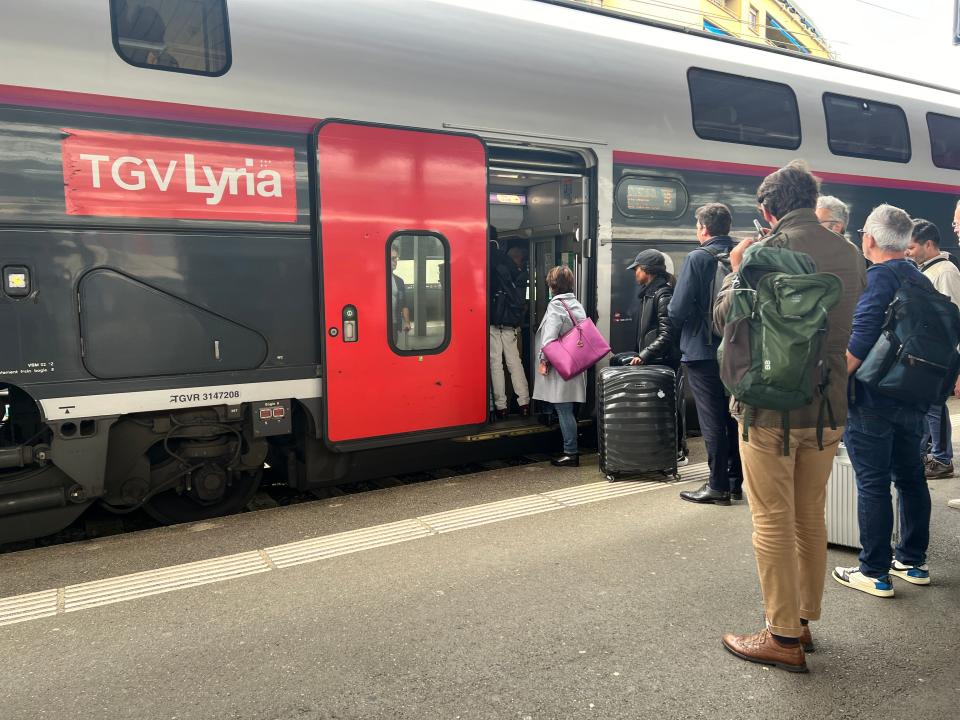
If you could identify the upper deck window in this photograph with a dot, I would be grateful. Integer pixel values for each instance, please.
(731, 108)
(189, 36)
(867, 129)
(944, 140)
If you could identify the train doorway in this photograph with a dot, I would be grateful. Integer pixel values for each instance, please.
(540, 208)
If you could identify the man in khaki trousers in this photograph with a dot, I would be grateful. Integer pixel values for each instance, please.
(787, 493)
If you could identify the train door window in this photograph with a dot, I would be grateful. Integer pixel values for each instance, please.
(866, 129)
(418, 293)
(190, 36)
(732, 108)
(944, 140)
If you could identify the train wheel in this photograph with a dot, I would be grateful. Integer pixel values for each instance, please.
(209, 495)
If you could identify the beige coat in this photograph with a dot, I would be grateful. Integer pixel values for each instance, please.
(803, 232)
(944, 275)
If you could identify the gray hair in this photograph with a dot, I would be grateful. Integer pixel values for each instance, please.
(836, 207)
(890, 226)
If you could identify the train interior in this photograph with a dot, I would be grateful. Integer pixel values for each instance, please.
(539, 209)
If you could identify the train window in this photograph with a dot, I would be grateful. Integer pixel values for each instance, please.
(944, 140)
(189, 36)
(637, 196)
(867, 129)
(737, 109)
(418, 295)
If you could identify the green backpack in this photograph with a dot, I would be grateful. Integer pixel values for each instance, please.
(771, 356)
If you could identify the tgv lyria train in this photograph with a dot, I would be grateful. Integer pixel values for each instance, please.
(211, 210)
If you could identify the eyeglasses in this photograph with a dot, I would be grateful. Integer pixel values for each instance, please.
(860, 233)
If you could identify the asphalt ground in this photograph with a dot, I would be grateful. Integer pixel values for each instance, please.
(610, 609)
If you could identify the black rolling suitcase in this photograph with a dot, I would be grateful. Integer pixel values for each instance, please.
(637, 420)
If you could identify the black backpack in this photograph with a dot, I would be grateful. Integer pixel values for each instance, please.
(917, 356)
(722, 269)
(507, 301)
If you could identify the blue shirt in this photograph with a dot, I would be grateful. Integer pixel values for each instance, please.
(691, 304)
(868, 317)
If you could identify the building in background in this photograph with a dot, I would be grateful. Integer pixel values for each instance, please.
(780, 23)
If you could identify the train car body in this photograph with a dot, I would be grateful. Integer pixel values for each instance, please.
(206, 229)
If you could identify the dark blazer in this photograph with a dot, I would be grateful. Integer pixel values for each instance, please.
(658, 339)
(691, 303)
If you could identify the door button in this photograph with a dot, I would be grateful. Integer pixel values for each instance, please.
(348, 318)
(16, 281)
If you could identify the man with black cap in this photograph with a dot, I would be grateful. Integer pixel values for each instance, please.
(691, 310)
(658, 341)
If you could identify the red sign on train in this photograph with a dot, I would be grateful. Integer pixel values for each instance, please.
(119, 175)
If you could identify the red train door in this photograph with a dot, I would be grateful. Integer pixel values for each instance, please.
(403, 233)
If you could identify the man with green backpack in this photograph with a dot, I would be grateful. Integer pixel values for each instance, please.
(786, 314)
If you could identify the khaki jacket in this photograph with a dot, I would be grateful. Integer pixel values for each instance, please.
(944, 275)
(802, 232)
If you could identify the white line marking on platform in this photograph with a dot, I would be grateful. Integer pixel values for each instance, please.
(155, 582)
(28, 607)
(73, 598)
(305, 551)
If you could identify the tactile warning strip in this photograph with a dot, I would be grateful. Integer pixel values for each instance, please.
(73, 598)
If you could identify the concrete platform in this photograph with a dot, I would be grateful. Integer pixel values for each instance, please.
(553, 600)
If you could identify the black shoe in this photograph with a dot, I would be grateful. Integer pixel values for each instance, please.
(736, 495)
(566, 461)
(706, 494)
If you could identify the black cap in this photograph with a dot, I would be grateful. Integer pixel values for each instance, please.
(652, 259)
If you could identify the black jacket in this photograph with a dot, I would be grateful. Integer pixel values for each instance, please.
(507, 290)
(658, 339)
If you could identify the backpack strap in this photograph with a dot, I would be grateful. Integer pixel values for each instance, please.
(747, 419)
(934, 262)
(785, 423)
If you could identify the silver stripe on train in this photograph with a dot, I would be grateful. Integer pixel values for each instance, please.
(90, 406)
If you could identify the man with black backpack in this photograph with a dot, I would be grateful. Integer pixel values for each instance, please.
(941, 268)
(691, 310)
(798, 278)
(508, 282)
(903, 358)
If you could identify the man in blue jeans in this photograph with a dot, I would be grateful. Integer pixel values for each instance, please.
(883, 433)
(937, 265)
(691, 310)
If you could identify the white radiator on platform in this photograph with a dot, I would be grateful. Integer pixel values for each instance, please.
(843, 527)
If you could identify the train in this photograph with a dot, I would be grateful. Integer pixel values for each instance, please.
(208, 208)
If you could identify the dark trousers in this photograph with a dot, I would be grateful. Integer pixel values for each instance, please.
(882, 444)
(719, 429)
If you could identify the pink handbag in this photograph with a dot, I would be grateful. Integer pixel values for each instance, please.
(576, 350)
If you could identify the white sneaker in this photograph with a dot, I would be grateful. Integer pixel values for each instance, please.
(916, 574)
(955, 503)
(853, 578)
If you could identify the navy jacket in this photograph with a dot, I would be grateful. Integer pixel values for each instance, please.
(871, 310)
(691, 305)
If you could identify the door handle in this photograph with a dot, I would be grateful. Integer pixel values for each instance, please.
(348, 323)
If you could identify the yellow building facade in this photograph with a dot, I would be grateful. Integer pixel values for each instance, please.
(780, 23)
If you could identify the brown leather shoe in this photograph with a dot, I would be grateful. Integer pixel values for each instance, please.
(806, 640)
(762, 648)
